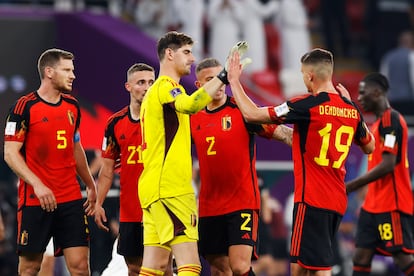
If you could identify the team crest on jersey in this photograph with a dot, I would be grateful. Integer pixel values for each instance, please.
(175, 92)
(226, 123)
(24, 238)
(71, 117)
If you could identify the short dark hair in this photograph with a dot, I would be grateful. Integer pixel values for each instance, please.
(139, 67)
(173, 40)
(316, 56)
(207, 63)
(50, 58)
(378, 79)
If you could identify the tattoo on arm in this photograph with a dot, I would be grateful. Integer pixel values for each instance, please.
(284, 134)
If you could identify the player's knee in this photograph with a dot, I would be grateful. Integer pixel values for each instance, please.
(243, 271)
(80, 267)
(240, 267)
(29, 264)
(133, 269)
(29, 269)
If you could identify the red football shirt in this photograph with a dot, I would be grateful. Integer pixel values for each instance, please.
(325, 126)
(393, 191)
(227, 155)
(47, 132)
(123, 141)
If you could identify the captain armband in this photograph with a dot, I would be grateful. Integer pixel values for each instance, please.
(277, 113)
(76, 137)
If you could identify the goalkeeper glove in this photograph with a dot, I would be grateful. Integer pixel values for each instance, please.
(241, 47)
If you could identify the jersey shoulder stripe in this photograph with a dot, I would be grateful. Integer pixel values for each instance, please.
(70, 99)
(22, 102)
(386, 118)
(118, 115)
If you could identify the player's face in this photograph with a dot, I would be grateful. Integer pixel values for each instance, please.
(62, 75)
(206, 75)
(183, 59)
(366, 96)
(138, 84)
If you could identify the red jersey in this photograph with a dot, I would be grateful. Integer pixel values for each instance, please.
(325, 126)
(47, 132)
(393, 191)
(227, 156)
(123, 141)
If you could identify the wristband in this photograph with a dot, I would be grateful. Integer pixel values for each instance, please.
(222, 76)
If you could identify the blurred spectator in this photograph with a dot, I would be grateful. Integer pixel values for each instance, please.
(152, 17)
(292, 23)
(224, 19)
(69, 5)
(189, 15)
(8, 207)
(385, 20)
(398, 66)
(335, 26)
(252, 26)
(273, 253)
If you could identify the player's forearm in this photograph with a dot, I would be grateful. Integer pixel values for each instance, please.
(283, 134)
(18, 165)
(104, 182)
(193, 103)
(250, 111)
(377, 172)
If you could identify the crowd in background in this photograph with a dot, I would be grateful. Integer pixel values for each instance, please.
(376, 33)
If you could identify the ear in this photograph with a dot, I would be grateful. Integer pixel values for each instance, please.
(48, 72)
(310, 76)
(169, 53)
(127, 87)
(197, 84)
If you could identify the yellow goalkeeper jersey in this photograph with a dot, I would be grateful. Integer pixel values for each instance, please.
(166, 142)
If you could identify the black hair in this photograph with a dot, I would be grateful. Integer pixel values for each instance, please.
(379, 79)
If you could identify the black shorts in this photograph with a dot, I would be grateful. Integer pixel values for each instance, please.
(313, 235)
(67, 225)
(131, 239)
(217, 233)
(385, 232)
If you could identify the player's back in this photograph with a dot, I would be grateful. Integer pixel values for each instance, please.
(325, 126)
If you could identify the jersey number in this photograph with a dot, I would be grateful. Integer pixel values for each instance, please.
(247, 218)
(61, 138)
(135, 155)
(211, 141)
(385, 231)
(343, 148)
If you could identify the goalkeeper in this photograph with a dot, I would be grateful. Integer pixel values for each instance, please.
(165, 191)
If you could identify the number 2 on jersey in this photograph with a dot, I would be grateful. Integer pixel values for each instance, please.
(340, 147)
(211, 140)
